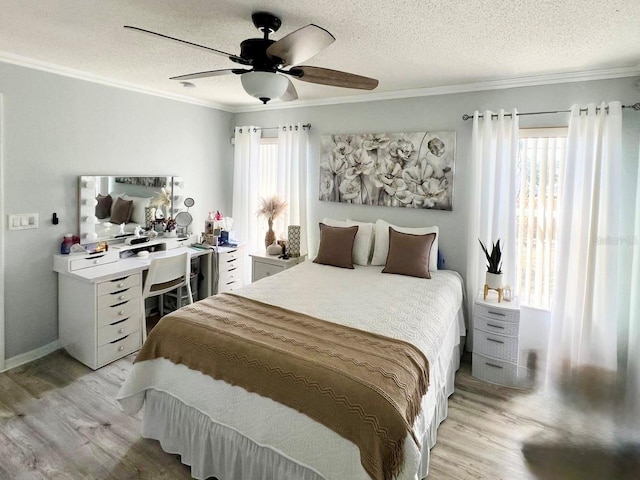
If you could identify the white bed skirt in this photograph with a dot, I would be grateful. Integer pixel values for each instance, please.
(215, 450)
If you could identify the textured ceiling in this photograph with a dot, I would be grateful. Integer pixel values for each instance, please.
(405, 44)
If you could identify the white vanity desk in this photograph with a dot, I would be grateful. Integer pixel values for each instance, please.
(100, 299)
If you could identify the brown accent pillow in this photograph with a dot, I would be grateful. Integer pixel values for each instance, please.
(121, 211)
(336, 246)
(103, 208)
(409, 254)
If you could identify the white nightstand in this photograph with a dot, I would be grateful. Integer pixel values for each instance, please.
(264, 265)
(496, 339)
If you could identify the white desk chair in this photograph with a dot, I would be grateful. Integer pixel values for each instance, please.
(166, 274)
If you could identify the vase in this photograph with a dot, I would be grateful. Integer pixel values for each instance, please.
(494, 280)
(293, 238)
(270, 237)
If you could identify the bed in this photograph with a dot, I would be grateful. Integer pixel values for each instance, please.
(225, 431)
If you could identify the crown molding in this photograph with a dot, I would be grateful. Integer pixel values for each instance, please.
(111, 82)
(528, 81)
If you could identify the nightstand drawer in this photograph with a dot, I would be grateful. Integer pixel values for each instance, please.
(497, 313)
(112, 286)
(118, 348)
(510, 329)
(262, 270)
(118, 330)
(497, 346)
(493, 370)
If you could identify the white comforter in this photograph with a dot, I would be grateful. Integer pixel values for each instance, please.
(415, 310)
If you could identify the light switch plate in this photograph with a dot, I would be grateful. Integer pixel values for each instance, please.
(23, 221)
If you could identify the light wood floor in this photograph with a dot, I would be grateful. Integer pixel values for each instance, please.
(59, 420)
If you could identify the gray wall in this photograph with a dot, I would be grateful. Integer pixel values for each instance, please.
(443, 112)
(57, 128)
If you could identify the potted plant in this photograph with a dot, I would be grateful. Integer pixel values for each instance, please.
(494, 265)
(271, 208)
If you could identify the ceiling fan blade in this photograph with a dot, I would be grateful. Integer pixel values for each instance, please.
(300, 45)
(335, 78)
(210, 73)
(290, 94)
(235, 58)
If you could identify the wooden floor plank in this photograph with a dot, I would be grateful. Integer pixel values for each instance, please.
(59, 419)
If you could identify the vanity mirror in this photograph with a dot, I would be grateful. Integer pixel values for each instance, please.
(113, 206)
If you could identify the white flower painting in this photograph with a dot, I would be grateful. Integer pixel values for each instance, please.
(412, 170)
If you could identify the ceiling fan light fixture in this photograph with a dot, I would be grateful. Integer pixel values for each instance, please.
(264, 86)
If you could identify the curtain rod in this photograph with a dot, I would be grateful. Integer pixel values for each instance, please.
(635, 106)
(306, 126)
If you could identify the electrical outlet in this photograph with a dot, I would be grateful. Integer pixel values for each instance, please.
(23, 221)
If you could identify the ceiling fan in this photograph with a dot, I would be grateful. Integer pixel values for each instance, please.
(272, 61)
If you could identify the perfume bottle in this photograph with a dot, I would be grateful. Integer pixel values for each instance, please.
(507, 295)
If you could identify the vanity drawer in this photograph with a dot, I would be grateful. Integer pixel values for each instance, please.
(229, 276)
(229, 286)
(118, 284)
(109, 315)
(118, 348)
(510, 329)
(115, 298)
(80, 263)
(229, 261)
(497, 346)
(501, 313)
(262, 270)
(118, 330)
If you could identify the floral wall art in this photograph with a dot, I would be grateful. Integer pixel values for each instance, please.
(412, 170)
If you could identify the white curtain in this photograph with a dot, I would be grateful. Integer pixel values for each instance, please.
(595, 330)
(246, 182)
(494, 145)
(633, 345)
(261, 173)
(292, 177)
(589, 285)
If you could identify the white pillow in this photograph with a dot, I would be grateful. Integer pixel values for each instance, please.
(365, 229)
(362, 242)
(381, 248)
(139, 204)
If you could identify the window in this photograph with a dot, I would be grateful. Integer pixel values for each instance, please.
(268, 176)
(268, 182)
(541, 154)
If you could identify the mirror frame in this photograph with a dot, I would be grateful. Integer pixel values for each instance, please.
(88, 190)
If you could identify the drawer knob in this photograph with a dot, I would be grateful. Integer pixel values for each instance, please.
(121, 297)
(492, 365)
(121, 312)
(495, 326)
(121, 330)
(120, 348)
(494, 340)
(500, 314)
(96, 262)
(268, 273)
(120, 285)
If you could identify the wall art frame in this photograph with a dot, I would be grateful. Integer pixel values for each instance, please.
(411, 170)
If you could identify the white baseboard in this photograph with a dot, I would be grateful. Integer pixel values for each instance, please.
(27, 357)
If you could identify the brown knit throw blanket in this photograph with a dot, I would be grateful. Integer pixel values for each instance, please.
(365, 387)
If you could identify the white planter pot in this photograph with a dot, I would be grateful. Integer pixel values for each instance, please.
(494, 280)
